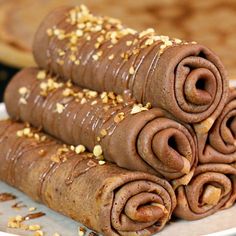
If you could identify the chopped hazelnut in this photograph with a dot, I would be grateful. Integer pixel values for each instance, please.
(119, 117)
(60, 108)
(103, 132)
(23, 91)
(135, 109)
(101, 162)
(97, 150)
(34, 227)
(79, 149)
(41, 75)
(81, 231)
(131, 70)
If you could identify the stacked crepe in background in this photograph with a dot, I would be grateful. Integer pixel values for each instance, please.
(144, 102)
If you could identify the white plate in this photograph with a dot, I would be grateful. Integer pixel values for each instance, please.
(219, 224)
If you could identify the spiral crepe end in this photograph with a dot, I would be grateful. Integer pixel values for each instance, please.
(211, 195)
(204, 126)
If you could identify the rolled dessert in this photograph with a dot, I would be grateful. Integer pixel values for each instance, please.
(219, 145)
(102, 196)
(213, 187)
(99, 53)
(131, 135)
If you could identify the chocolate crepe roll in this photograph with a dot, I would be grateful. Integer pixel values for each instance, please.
(102, 196)
(133, 136)
(219, 145)
(213, 187)
(99, 53)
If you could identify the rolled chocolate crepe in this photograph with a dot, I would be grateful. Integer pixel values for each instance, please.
(99, 53)
(131, 135)
(102, 196)
(213, 187)
(219, 145)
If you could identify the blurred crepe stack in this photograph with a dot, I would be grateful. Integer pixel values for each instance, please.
(182, 19)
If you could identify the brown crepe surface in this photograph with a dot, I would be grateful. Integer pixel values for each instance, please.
(99, 53)
(103, 197)
(131, 135)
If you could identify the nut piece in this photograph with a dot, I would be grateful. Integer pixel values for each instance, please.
(131, 70)
(101, 162)
(60, 108)
(103, 132)
(97, 151)
(38, 233)
(41, 75)
(23, 91)
(80, 149)
(34, 227)
(119, 117)
(81, 231)
(32, 208)
(211, 195)
(136, 109)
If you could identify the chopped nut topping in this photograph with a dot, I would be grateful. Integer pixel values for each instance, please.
(23, 91)
(79, 149)
(55, 158)
(101, 162)
(119, 99)
(15, 222)
(148, 105)
(32, 209)
(59, 108)
(95, 57)
(103, 132)
(177, 41)
(97, 150)
(38, 233)
(129, 43)
(49, 86)
(94, 102)
(111, 95)
(138, 108)
(131, 70)
(146, 32)
(111, 57)
(41, 75)
(91, 94)
(67, 92)
(104, 97)
(34, 227)
(72, 57)
(83, 101)
(77, 62)
(22, 101)
(81, 231)
(119, 117)
(149, 42)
